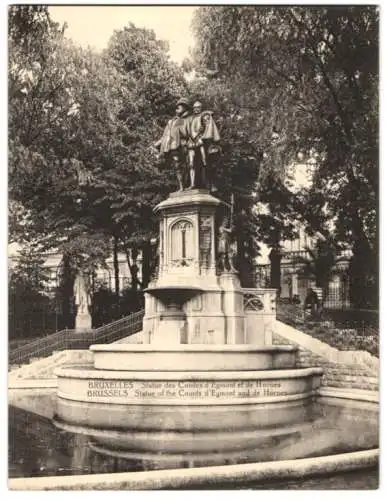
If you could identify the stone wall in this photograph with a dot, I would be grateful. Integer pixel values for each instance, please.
(343, 369)
(43, 369)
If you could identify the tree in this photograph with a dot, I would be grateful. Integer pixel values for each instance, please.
(155, 84)
(89, 175)
(47, 81)
(27, 299)
(29, 271)
(42, 74)
(39, 79)
(320, 264)
(236, 171)
(310, 75)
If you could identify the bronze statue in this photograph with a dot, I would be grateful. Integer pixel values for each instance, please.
(203, 141)
(195, 142)
(173, 143)
(189, 140)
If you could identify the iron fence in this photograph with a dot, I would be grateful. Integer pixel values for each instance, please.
(72, 339)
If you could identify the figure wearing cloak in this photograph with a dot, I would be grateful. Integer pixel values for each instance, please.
(173, 142)
(175, 134)
(203, 138)
(211, 132)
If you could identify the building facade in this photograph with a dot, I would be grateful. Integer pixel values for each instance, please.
(294, 280)
(103, 276)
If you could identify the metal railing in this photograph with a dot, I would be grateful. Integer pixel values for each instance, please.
(72, 339)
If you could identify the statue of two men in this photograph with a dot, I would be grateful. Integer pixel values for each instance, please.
(189, 140)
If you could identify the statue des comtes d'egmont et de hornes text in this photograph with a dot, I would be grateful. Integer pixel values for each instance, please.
(189, 141)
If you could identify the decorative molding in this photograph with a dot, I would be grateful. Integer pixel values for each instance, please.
(261, 300)
(253, 302)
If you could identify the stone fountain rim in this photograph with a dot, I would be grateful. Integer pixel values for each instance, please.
(81, 372)
(262, 471)
(181, 348)
(95, 431)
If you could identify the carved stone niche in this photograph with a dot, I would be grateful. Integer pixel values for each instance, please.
(182, 243)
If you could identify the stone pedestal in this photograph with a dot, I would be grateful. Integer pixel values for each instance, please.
(171, 328)
(212, 304)
(83, 321)
(187, 239)
(169, 332)
(206, 322)
(233, 308)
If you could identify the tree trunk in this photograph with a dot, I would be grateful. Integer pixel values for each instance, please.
(363, 269)
(146, 263)
(275, 269)
(244, 262)
(134, 269)
(363, 277)
(67, 286)
(116, 269)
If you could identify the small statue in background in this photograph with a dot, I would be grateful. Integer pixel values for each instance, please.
(82, 293)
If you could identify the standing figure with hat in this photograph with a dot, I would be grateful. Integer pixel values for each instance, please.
(173, 143)
(203, 140)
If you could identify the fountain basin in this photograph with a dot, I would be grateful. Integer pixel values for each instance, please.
(184, 418)
(338, 435)
(186, 387)
(184, 400)
(318, 429)
(200, 445)
(172, 293)
(192, 357)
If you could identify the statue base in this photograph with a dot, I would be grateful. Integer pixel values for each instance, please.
(83, 322)
(212, 304)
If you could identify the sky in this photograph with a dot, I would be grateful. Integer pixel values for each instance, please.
(93, 25)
